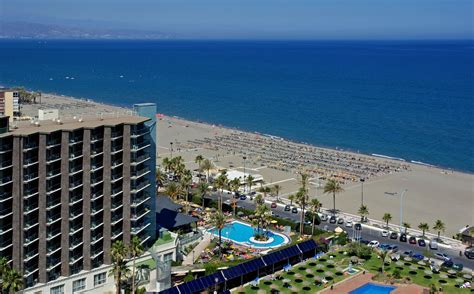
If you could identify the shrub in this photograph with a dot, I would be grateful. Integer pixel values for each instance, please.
(396, 274)
(210, 268)
(189, 277)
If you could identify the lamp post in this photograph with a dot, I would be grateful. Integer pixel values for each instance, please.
(401, 208)
(245, 183)
(216, 288)
(362, 180)
(171, 148)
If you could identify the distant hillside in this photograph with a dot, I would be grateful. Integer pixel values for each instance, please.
(25, 30)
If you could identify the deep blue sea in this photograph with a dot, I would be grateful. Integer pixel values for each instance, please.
(407, 99)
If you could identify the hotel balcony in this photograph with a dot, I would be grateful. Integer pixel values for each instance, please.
(53, 158)
(140, 173)
(29, 255)
(30, 270)
(140, 132)
(75, 199)
(30, 177)
(138, 229)
(30, 239)
(52, 263)
(74, 140)
(5, 244)
(96, 238)
(75, 169)
(75, 214)
(96, 253)
(74, 259)
(116, 205)
(30, 146)
(53, 233)
(53, 218)
(30, 223)
(139, 146)
(95, 153)
(27, 209)
(136, 160)
(116, 177)
(75, 185)
(97, 195)
(96, 224)
(96, 180)
(135, 216)
(5, 212)
(5, 148)
(117, 191)
(75, 243)
(6, 164)
(53, 143)
(116, 163)
(75, 229)
(143, 185)
(5, 181)
(5, 228)
(75, 155)
(116, 218)
(117, 233)
(96, 167)
(139, 200)
(96, 138)
(30, 161)
(116, 135)
(95, 209)
(53, 173)
(53, 188)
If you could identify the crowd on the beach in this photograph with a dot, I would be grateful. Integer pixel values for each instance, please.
(288, 156)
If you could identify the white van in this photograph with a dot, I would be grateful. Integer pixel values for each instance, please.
(433, 245)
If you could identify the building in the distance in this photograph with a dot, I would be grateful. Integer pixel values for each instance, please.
(68, 190)
(9, 102)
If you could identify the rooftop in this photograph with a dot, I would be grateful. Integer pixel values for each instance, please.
(24, 128)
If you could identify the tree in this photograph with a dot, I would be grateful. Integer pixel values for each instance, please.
(249, 181)
(261, 220)
(159, 179)
(199, 158)
(234, 186)
(136, 249)
(218, 221)
(315, 205)
(333, 186)
(291, 197)
(439, 226)
(202, 189)
(259, 200)
(185, 182)
(276, 189)
(363, 212)
(221, 183)
(12, 281)
(406, 226)
(386, 218)
(167, 164)
(4, 269)
(423, 227)
(118, 253)
(264, 190)
(382, 254)
(304, 180)
(302, 199)
(207, 165)
(173, 190)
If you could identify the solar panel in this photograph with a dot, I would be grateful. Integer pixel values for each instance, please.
(173, 290)
(307, 245)
(183, 289)
(195, 285)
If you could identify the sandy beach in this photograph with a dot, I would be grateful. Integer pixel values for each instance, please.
(432, 193)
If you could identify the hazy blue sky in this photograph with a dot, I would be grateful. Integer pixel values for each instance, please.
(374, 19)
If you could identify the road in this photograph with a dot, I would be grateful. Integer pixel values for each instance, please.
(367, 233)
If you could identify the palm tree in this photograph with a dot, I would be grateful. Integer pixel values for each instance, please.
(302, 199)
(234, 187)
(386, 218)
(259, 200)
(264, 190)
(12, 281)
(218, 221)
(291, 197)
(262, 217)
(406, 226)
(221, 183)
(207, 165)
(167, 164)
(202, 189)
(118, 252)
(333, 186)
(249, 181)
(185, 182)
(439, 226)
(315, 205)
(276, 189)
(173, 190)
(199, 158)
(136, 249)
(363, 212)
(423, 227)
(304, 180)
(4, 268)
(159, 178)
(382, 254)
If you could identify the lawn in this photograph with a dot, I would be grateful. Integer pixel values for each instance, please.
(302, 276)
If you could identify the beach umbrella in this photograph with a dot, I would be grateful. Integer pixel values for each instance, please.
(421, 262)
(407, 259)
(338, 230)
(318, 279)
(240, 213)
(274, 221)
(319, 265)
(459, 280)
(399, 263)
(428, 272)
(328, 274)
(286, 280)
(467, 276)
(452, 272)
(443, 276)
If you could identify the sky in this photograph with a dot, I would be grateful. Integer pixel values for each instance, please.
(258, 19)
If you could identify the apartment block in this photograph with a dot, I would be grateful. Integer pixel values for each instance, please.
(9, 103)
(69, 189)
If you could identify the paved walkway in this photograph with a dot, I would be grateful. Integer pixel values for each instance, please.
(188, 260)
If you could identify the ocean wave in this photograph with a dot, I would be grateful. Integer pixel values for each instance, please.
(388, 157)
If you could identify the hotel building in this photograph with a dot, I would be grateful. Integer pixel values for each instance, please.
(69, 189)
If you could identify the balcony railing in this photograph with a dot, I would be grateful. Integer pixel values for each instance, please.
(139, 173)
(135, 216)
(74, 243)
(53, 233)
(30, 176)
(53, 157)
(30, 161)
(30, 239)
(75, 213)
(5, 180)
(53, 218)
(116, 135)
(140, 132)
(140, 186)
(139, 146)
(53, 188)
(30, 146)
(6, 148)
(74, 185)
(137, 201)
(53, 142)
(5, 164)
(139, 159)
(75, 229)
(139, 228)
(53, 173)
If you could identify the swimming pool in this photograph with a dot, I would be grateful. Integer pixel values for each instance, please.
(242, 233)
(373, 289)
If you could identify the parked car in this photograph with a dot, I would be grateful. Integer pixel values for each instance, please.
(332, 219)
(383, 246)
(373, 243)
(274, 205)
(384, 233)
(294, 210)
(349, 224)
(394, 235)
(366, 242)
(403, 237)
(237, 195)
(287, 208)
(433, 245)
(447, 263)
(442, 256)
(393, 248)
(408, 253)
(358, 227)
(469, 252)
(340, 221)
(324, 217)
(458, 266)
(418, 256)
(421, 243)
(412, 240)
(243, 197)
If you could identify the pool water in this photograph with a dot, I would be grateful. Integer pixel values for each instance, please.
(370, 288)
(241, 233)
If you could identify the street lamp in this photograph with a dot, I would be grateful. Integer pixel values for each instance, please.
(217, 281)
(362, 180)
(401, 208)
(171, 148)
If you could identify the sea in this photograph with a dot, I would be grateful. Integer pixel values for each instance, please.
(411, 100)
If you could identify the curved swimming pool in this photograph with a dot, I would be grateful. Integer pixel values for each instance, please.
(242, 233)
(373, 289)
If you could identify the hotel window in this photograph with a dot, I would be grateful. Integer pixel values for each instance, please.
(78, 285)
(100, 279)
(57, 290)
